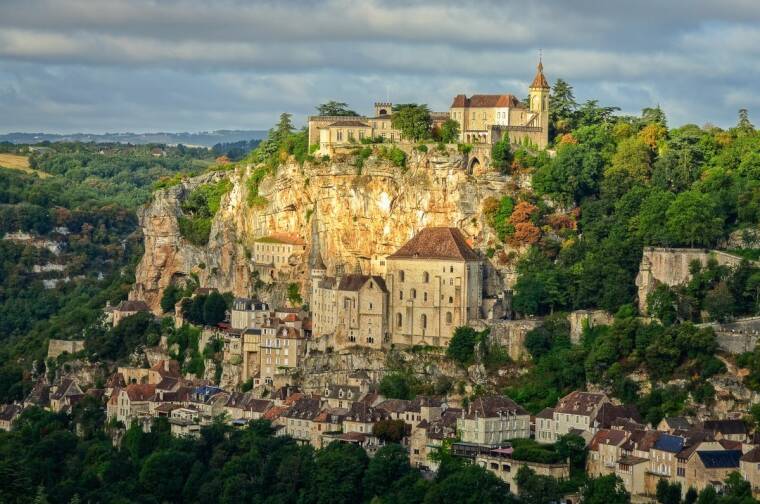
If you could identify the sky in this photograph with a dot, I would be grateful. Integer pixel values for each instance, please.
(189, 65)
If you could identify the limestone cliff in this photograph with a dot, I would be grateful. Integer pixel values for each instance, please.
(361, 214)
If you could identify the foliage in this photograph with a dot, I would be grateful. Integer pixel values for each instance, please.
(394, 155)
(199, 208)
(605, 490)
(462, 345)
(501, 155)
(389, 430)
(449, 131)
(497, 213)
(412, 120)
(334, 108)
(294, 294)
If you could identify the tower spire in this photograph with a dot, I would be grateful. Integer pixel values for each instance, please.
(539, 81)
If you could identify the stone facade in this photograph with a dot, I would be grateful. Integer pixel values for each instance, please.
(57, 347)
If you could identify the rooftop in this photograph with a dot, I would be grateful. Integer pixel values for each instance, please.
(437, 243)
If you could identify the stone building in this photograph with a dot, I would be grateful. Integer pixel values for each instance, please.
(491, 420)
(577, 411)
(435, 285)
(247, 313)
(488, 118)
(276, 253)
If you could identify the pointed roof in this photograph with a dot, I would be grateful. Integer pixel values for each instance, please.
(437, 243)
(539, 81)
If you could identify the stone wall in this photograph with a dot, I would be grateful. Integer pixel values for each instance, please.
(593, 317)
(57, 347)
(670, 266)
(510, 334)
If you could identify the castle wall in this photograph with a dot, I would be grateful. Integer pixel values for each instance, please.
(57, 347)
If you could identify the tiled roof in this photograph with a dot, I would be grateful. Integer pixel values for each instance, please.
(437, 243)
(274, 412)
(477, 101)
(752, 456)
(609, 413)
(677, 423)
(283, 238)
(395, 405)
(306, 408)
(580, 403)
(493, 406)
(9, 411)
(351, 122)
(354, 282)
(140, 391)
(720, 459)
(607, 437)
(546, 413)
(726, 426)
(539, 81)
(132, 306)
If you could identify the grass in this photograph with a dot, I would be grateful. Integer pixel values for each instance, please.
(20, 163)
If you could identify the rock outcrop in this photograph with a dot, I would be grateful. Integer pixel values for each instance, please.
(363, 214)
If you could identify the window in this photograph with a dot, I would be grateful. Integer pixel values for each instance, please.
(339, 135)
(424, 296)
(449, 318)
(399, 320)
(426, 277)
(423, 321)
(401, 294)
(414, 293)
(451, 269)
(401, 276)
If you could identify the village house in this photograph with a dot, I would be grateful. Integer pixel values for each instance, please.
(711, 468)
(8, 413)
(125, 309)
(428, 436)
(749, 464)
(277, 253)
(130, 403)
(491, 420)
(576, 412)
(64, 395)
(362, 418)
(340, 396)
(248, 313)
(734, 430)
(299, 421)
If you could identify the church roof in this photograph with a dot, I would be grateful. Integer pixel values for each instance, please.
(437, 243)
(502, 100)
(539, 81)
(355, 282)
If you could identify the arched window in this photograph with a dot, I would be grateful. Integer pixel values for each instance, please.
(451, 299)
(414, 293)
(401, 294)
(426, 277)
(401, 276)
(423, 321)
(399, 320)
(449, 318)
(424, 296)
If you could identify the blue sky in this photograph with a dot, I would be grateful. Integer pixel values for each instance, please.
(189, 65)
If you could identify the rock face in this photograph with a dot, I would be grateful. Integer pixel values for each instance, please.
(670, 266)
(361, 215)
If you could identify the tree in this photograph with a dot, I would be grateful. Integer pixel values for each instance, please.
(654, 115)
(662, 304)
(562, 107)
(163, 473)
(214, 309)
(294, 294)
(691, 219)
(605, 490)
(648, 224)
(412, 120)
(501, 154)
(744, 125)
(449, 131)
(335, 108)
(572, 175)
(338, 474)
(396, 386)
(169, 298)
(470, 483)
(719, 302)
(691, 496)
(389, 430)
(390, 464)
(535, 489)
(462, 345)
(668, 493)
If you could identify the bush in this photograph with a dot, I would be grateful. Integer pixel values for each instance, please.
(394, 155)
(461, 348)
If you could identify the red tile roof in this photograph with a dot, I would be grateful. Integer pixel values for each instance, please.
(140, 391)
(485, 101)
(539, 81)
(437, 243)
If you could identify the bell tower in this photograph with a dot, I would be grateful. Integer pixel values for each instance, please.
(538, 94)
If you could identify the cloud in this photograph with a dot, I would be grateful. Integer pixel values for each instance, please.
(192, 64)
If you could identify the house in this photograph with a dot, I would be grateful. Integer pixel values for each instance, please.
(749, 465)
(8, 413)
(64, 395)
(735, 430)
(340, 396)
(435, 285)
(276, 253)
(131, 402)
(39, 396)
(711, 467)
(428, 435)
(674, 424)
(186, 422)
(544, 426)
(605, 449)
(490, 420)
(362, 418)
(281, 349)
(299, 421)
(577, 411)
(247, 313)
(127, 309)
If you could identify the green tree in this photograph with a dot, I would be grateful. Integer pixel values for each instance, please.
(462, 345)
(338, 475)
(691, 219)
(169, 298)
(335, 108)
(648, 224)
(390, 464)
(214, 309)
(469, 484)
(535, 489)
(662, 304)
(501, 154)
(396, 386)
(744, 125)
(562, 108)
(572, 175)
(605, 490)
(389, 430)
(294, 294)
(668, 493)
(449, 131)
(720, 302)
(412, 120)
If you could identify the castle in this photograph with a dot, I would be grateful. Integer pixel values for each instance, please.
(482, 119)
